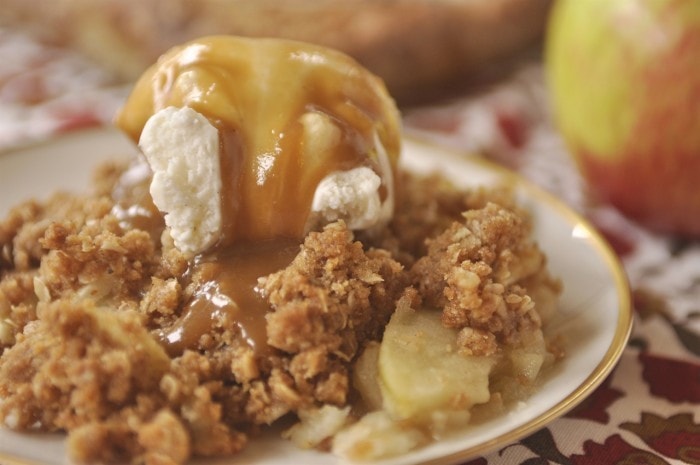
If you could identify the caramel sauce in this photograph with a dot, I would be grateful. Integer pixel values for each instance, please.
(277, 202)
(259, 94)
(134, 207)
(229, 291)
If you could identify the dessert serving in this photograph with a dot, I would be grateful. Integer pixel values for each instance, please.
(266, 260)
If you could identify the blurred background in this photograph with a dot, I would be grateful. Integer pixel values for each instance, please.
(420, 48)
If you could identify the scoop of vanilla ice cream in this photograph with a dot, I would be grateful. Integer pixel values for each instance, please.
(182, 148)
(288, 115)
(351, 195)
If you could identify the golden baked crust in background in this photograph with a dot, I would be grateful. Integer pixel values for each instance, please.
(419, 47)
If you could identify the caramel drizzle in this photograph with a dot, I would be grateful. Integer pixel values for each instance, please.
(134, 207)
(230, 294)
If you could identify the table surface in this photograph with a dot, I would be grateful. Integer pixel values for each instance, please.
(646, 411)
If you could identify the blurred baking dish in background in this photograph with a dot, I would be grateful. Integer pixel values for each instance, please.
(420, 48)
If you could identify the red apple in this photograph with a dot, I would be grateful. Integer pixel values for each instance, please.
(625, 84)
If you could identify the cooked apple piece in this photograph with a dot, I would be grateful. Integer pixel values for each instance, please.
(364, 377)
(421, 370)
(529, 357)
(377, 436)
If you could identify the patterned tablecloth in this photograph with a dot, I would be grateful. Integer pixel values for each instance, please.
(647, 410)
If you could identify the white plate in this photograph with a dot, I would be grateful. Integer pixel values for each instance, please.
(595, 315)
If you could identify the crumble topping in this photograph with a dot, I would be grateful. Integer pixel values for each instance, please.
(83, 304)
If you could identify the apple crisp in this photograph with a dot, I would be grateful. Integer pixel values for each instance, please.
(97, 340)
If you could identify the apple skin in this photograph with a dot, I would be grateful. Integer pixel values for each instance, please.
(624, 77)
